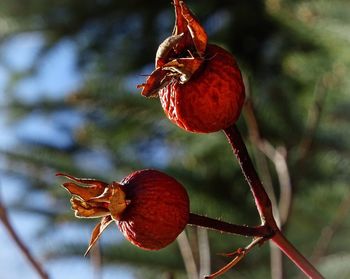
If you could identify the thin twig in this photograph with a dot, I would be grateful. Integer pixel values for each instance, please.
(187, 256)
(276, 262)
(204, 252)
(263, 203)
(262, 200)
(20, 244)
(239, 255)
(282, 208)
(277, 157)
(295, 256)
(279, 160)
(96, 261)
(214, 224)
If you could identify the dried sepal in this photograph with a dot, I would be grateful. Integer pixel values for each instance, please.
(95, 199)
(156, 81)
(180, 23)
(118, 202)
(179, 56)
(84, 209)
(183, 68)
(91, 189)
(165, 48)
(97, 232)
(197, 32)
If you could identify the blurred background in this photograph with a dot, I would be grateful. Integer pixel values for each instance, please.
(69, 103)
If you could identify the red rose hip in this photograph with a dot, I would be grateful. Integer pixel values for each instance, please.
(200, 85)
(213, 98)
(158, 211)
(150, 208)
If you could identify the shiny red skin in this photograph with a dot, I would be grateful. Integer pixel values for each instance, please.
(213, 97)
(158, 210)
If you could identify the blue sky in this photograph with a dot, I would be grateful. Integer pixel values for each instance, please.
(55, 78)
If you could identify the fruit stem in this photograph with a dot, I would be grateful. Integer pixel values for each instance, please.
(224, 227)
(261, 198)
(294, 255)
(263, 203)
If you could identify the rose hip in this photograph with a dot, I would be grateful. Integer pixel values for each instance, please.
(200, 85)
(150, 208)
(213, 98)
(158, 210)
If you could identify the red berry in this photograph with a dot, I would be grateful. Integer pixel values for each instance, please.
(200, 85)
(150, 208)
(158, 210)
(211, 100)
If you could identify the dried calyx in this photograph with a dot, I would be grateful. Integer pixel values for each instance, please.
(96, 199)
(180, 55)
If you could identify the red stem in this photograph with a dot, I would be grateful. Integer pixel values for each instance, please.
(295, 256)
(263, 203)
(214, 224)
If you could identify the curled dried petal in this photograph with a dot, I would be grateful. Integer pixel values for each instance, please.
(180, 55)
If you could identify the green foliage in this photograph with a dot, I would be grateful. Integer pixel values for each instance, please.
(295, 57)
